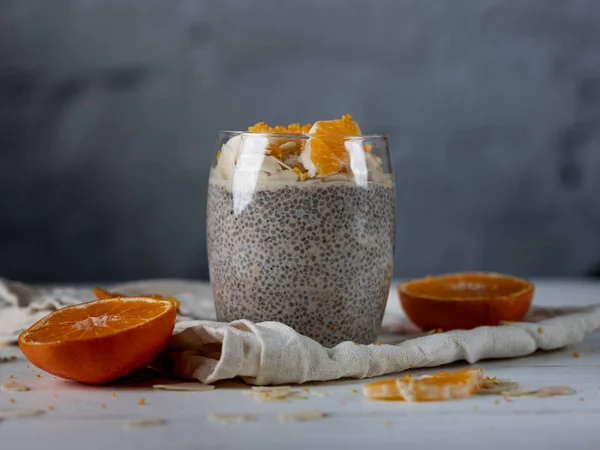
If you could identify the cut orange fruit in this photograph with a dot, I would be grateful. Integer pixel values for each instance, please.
(104, 294)
(465, 300)
(427, 388)
(327, 144)
(100, 341)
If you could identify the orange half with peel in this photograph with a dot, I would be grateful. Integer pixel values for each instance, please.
(465, 300)
(427, 388)
(102, 340)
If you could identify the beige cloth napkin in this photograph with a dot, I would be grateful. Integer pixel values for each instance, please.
(271, 353)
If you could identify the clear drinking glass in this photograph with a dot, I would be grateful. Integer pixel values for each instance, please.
(311, 251)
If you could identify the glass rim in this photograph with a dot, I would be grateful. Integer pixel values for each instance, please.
(301, 136)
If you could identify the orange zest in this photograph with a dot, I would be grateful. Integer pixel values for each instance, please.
(439, 386)
(100, 341)
(465, 300)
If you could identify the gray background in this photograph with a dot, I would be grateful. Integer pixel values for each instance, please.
(109, 110)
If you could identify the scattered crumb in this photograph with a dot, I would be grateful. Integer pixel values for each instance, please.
(11, 377)
(196, 387)
(13, 358)
(144, 423)
(303, 416)
(354, 391)
(113, 395)
(142, 402)
(304, 389)
(54, 395)
(229, 418)
(506, 399)
(19, 413)
(103, 406)
(38, 376)
(540, 330)
(13, 386)
(581, 399)
(378, 344)
(410, 366)
(520, 392)
(273, 393)
(12, 400)
(439, 330)
(388, 423)
(575, 355)
(355, 343)
(50, 408)
(319, 393)
(551, 391)
(496, 402)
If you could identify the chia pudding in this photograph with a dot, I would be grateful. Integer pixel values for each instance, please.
(315, 254)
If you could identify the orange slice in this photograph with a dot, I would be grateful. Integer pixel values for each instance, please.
(465, 300)
(427, 388)
(104, 294)
(100, 341)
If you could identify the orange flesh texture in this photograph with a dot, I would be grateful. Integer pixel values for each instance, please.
(94, 321)
(327, 150)
(465, 287)
(102, 294)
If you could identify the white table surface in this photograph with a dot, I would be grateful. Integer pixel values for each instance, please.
(79, 421)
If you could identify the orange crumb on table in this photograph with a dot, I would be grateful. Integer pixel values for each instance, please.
(38, 376)
(13, 358)
(355, 343)
(305, 389)
(11, 377)
(114, 395)
(354, 391)
(50, 408)
(12, 400)
(575, 355)
(439, 330)
(378, 344)
(142, 402)
(540, 330)
(103, 406)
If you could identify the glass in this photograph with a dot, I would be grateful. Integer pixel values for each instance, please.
(314, 252)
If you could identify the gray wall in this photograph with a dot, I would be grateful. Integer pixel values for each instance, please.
(109, 110)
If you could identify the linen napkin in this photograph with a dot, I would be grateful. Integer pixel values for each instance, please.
(270, 353)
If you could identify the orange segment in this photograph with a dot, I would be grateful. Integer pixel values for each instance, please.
(465, 300)
(102, 340)
(327, 150)
(427, 388)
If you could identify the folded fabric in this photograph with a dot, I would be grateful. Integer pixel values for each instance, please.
(271, 353)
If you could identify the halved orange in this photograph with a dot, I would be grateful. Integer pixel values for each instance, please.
(465, 300)
(427, 388)
(101, 340)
